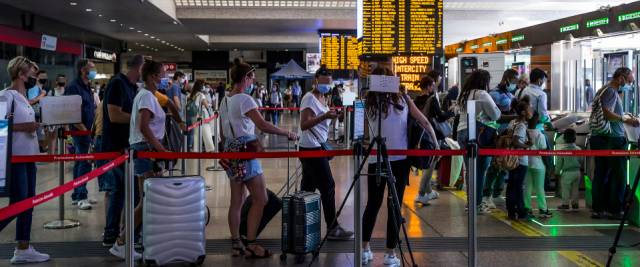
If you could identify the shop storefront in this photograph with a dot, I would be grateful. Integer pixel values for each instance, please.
(105, 62)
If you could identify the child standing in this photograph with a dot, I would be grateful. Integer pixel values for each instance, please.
(515, 202)
(569, 169)
(534, 180)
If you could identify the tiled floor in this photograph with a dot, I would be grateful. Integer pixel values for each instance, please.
(445, 217)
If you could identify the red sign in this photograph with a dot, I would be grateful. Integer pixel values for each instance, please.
(170, 67)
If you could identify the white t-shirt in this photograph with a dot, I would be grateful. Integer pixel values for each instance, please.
(321, 130)
(23, 143)
(233, 112)
(146, 100)
(520, 131)
(538, 143)
(394, 129)
(486, 109)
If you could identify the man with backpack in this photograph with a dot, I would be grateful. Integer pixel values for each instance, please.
(607, 132)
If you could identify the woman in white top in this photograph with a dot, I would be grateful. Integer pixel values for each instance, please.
(394, 129)
(476, 88)
(145, 134)
(25, 142)
(239, 117)
(275, 101)
(198, 97)
(316, 172)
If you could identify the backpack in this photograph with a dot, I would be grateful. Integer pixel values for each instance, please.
(192, 109)
(505, 141)
(598, 123)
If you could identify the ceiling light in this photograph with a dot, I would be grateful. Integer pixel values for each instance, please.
(112, 20)
(88, 10)
(146, 34)
(73, 3)
(139, 31)
(162, 41)
(153, 37)
(175, 22)
(99, 15)
(132, 28)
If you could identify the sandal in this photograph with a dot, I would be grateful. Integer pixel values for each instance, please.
(238, 247)
(252, 252)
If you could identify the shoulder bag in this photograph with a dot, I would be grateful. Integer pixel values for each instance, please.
(323, 145)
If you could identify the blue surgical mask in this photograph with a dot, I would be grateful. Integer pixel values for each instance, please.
(164, 83)
(625, 88)
(92, 74)
(324, 88)
(511, 87)
(249, 89)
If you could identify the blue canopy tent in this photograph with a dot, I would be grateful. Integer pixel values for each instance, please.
(291, 71)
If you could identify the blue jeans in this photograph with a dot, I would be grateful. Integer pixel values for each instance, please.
(274, 116)
(22, 186)
(106, 181)
(81, 144)
(116, 202)
(481, 167)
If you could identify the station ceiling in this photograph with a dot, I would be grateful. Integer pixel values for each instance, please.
(182, 25)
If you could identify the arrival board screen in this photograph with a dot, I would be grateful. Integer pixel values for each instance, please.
(339, 52)
(402, 26)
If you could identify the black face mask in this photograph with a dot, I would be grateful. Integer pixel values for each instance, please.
(42, 81)
(30, 83)
(61, 84)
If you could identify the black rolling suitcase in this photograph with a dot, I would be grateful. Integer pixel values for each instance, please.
(301, 224)
(270, 210)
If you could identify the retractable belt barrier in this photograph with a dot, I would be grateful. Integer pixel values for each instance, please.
(567, 153)
(285, 154)
(198, 123)
(26, 204)
(65, 157)
(76, 133)
(295, 108)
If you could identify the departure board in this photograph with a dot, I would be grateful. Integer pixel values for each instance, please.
(401, 26)
(339, 51)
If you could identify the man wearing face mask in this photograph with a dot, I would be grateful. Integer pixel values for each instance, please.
(58, 90)
(608, 185)
(537, 95)
(81, 86)
(175, 91)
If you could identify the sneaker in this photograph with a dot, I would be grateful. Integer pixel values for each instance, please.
(367, 256)
(118, 251)
(108, 241)
(424, 200)
(490, 203)
(340, 233)
(433, 195)
(564, 207)
(92, 201)
(74, 202)
(29, 255)
(544, 214)
(483, 208)
(84, 204)
(391, 260)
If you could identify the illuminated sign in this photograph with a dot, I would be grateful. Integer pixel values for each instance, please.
(517, 38)
(629, 16)
(501, 41)
(339, 52)
(459, 49)
(402, 26)
(411, 69)
(474, 47)
(572, 27)
(487, 44)
(597, 22)
(48, 42)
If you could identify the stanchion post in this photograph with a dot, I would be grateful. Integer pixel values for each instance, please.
(129, 207)
(357, 209)
(347, 127)
(185, 147)
(472, 155)
(200, 145)
(61, 222)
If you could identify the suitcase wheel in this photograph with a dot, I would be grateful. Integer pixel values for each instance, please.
(300, 258)
(200, 260)
(283, 257)
(150, 263)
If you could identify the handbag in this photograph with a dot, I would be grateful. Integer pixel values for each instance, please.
(323, 145)
(486, 135)
(238, 166)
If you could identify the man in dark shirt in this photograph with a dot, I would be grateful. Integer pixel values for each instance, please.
(118, 99)
(81, 86)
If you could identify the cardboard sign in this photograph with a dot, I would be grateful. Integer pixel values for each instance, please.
(59, 110)
(384, 84)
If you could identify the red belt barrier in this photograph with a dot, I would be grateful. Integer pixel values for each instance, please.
(285, 154)
(65, 157)
(23, 205)
(207, 120)
(278, 108)
(569, 153)
(76, 133)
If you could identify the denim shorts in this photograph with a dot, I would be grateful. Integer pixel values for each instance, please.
(253, 167)
(141, 166)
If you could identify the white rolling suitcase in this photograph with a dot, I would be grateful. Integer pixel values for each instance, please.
(174, 220)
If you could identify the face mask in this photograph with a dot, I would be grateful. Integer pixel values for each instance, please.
(30, 83)
(249, 89)
(324, 88)
(61, 84)
(511, 87)
(625, 88)
(543, 86)
(42, 81)
(164, 83)
(92, 74)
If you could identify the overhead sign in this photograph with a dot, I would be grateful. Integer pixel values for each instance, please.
(517, 38)
(572, 27)
(629, 16)
(401, 27)
(410, 70)
(61, 110)
(501, 41)
(487, 44)
(170, 67)
(48, 42)
(339, 51)
(597, 22)
(474, 47)
(95, 53)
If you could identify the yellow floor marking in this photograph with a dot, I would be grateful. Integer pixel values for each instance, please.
(578, 258)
